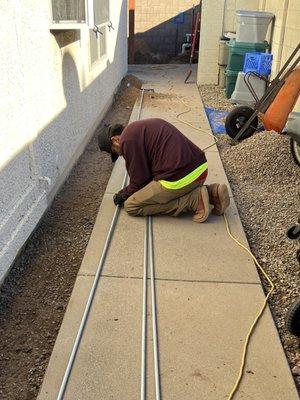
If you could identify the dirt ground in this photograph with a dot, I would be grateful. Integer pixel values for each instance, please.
(144, 55)
(265, 182)
(35, 294)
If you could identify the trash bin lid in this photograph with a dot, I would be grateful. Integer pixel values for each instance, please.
(254, 14)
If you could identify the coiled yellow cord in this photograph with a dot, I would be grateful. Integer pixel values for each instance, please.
(272, 287)
(247, 341)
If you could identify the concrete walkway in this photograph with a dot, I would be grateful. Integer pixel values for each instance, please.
(208, 293)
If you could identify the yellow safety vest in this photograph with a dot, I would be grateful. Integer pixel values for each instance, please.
(186, 180)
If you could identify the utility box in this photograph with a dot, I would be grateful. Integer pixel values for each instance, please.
(252, 26)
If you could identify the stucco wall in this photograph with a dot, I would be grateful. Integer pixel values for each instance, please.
(51, 98)
(286, 33)
(154, 23)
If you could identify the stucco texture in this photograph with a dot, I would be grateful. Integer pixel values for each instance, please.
(286, 34)
(51, 99)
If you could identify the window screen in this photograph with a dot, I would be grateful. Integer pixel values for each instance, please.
(94, 43)
(69, 10)
(97, 45)
(103, 41)
(101, 11)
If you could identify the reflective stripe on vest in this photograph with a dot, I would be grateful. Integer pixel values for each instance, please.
(186, 180)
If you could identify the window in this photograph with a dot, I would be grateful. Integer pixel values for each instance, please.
(97, 44)
(71, 14)
(68, 11)
(101, 11)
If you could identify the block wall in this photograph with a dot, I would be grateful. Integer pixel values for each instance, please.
(154, 24)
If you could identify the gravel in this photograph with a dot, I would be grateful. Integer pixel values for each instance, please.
(214, 96)
(266, 185)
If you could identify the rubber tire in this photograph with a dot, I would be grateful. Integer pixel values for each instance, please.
(292, 319)
(295, 149)
(294, 232)
(233, 125)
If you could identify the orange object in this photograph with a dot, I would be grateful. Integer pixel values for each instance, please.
(131, 20)
(277, 114)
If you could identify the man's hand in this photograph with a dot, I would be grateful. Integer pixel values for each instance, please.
(119, 199)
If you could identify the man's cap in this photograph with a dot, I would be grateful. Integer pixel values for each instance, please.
(104, 139)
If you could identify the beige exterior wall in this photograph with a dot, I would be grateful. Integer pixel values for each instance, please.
(286, 33)
(50, 100)
(218, 16)
(210, 32)
(230, 8)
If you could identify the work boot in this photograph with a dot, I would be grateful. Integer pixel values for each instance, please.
(218, 197)
(203, 209)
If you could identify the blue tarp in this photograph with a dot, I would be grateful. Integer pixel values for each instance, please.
(216, 119)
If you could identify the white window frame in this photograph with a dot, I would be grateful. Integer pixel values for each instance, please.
(66, 25)
(102, 57)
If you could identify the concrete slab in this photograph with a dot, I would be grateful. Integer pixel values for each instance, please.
(117, 177)
(216, 171)
(208, 293)
(108, 361)
(200, 348)
(98, 237)
(184, 250)
(201, 252)
(162, 111)
(199, 351)
(111, 345)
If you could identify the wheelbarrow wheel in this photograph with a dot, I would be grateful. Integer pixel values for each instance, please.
(237, 118)
(295, 149)
(292, 320)
(294, 232)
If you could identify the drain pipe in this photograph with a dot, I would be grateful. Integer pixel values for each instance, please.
(185, 47)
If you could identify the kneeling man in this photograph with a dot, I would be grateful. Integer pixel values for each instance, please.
(166, 170)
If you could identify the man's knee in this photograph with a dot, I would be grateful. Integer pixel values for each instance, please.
(131, 207)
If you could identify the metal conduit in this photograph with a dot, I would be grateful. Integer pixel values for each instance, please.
(148, 253)
(88, 306)
(154, 314)
(149, 259)
(144, 318)
(149, 256)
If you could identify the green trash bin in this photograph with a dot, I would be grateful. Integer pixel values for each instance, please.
(237, 51)
(231, 77)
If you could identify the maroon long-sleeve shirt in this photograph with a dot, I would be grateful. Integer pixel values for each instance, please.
(154, 149)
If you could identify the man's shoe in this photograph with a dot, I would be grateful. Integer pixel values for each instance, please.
(203, 209)
(218, 197)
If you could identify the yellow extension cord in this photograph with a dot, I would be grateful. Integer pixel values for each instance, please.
(251, 330)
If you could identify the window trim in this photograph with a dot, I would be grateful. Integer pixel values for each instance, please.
(66, 25)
